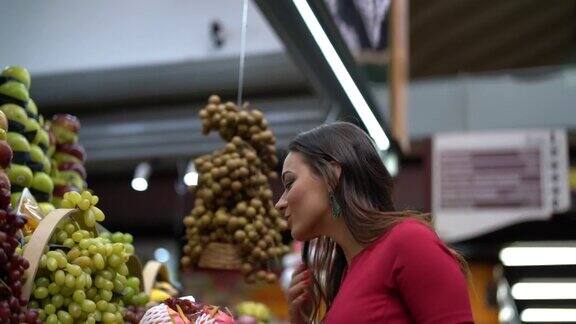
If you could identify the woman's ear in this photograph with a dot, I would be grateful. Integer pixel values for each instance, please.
(337, 169)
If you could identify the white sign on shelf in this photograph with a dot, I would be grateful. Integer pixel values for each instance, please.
(484, 181)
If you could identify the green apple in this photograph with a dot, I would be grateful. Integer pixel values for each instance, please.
(20, 176)
(17, 117)
(15, 90)
(42, 139)
(18, 73)
(36, 163)
(32, 109)
(20, 147)
(31, 127)
(42, 187)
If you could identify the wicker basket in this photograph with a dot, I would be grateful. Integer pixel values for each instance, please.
(220, 256)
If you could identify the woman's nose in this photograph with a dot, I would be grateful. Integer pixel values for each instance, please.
(281, 204)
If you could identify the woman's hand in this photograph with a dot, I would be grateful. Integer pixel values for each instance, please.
(298, 294)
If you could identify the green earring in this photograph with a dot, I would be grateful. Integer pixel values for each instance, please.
(336, 209)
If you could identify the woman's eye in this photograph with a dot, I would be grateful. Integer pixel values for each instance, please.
(289, 184)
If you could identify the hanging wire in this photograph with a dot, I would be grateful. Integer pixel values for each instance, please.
(242, 51)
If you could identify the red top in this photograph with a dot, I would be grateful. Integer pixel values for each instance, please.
(406, 276)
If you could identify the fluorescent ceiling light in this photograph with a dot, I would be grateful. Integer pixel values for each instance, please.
(354, 95)
(548, 315)
(537, 256)
(544, 290)
(191, 176)
(141, 174)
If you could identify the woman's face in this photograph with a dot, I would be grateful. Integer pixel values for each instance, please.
(304, 202)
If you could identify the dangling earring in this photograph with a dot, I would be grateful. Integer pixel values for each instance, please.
(336, 209)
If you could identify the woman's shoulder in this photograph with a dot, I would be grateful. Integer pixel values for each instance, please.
(409, 234)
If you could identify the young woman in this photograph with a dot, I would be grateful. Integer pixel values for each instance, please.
(363, 262)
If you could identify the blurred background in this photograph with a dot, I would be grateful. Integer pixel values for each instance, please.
(477, 100)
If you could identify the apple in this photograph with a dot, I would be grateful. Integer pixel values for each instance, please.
(42, 187)
(36, 159)
(46, 207)
(67, 121)
(16, 116)
(32, 109)
(15, 90)
(5, 154)
(18, 73)
(20, 147)
(74, 150)
(31, 127)
(20, 176)
(71, 166)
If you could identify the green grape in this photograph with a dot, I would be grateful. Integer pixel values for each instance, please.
(118, 237)
(99, 282)
(52, 319)
(67, 300)
(65, 203)
(109, 318)
(74, 253)
(81, 281)
(84, 204)
(105, 235)
(119, 317)
(79, 296)
(74, 197)
(57, 301)
(88, 279)
(61, 236)
(129, 248)
(117, 248)
(128, 238)
(83, 261)
(105, 294)
(70, 281)
(77, 236)
(51, 264)
(90, 320)
(109, 285)
(93, 249)
(59, 277)
(140, 299)
(89, 218)
(74, 309)
(102, 305)
(98, 214)
(86, 234)
(108, 248)
(115, 260)
(98, 261)
(74, 269)
(69, 243)
(33, 305)
(64, 317)
(41, 292)
(84, 244)
(88, 306)
(42, 282)
(107, 274)
(98, 316)
(111, 308)
(53, 288)
(50, 309)
(128, 294)
(133, 282)
(118, 285)
(123, 270)
(70, 228)
(94, 200)
(43, 259)
(86, 195)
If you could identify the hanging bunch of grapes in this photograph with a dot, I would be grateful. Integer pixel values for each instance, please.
(233, 199)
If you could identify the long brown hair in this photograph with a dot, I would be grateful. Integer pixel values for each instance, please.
(364, 192)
